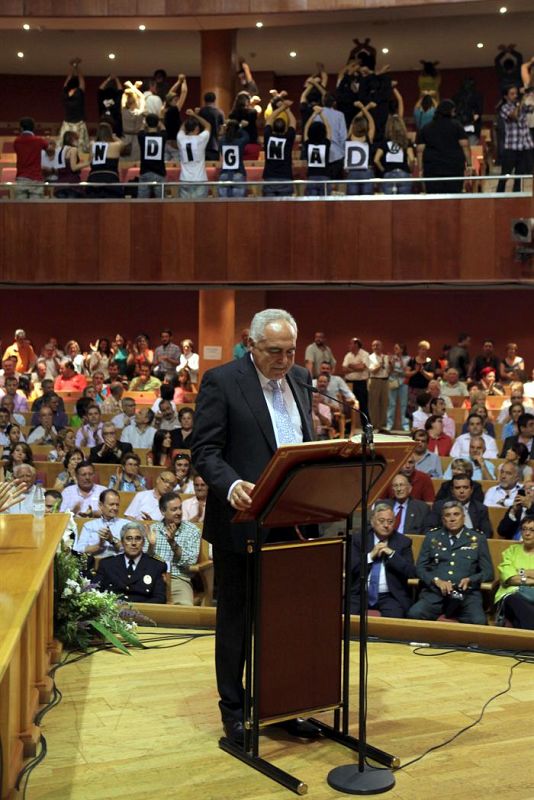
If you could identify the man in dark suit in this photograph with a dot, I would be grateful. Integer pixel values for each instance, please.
(244, 410)
(525, 426)
(476, 515)
(390, 560)
(132, 574)
(410, 516)
(112, 451)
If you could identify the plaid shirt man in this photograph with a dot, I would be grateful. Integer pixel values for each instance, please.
(516, 131)
(187, 537)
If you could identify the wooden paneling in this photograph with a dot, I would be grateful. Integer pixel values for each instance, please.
(215, 242)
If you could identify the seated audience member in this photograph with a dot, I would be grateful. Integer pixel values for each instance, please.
(517, 395)
(193, 138)
(9, 364)
(50, 356)
(451, 385)
(73, 353)
(12, 437)
(166, 356)
(177, 543)
(504, 492)
(69, 380)
(475, 427)
(476, 515)
(483, 469)
(183, 469)
(181, 438)
(5, 425)
(111, 451)
(29, 149)
(525, 435)
(361, 131)
(134, 575)
(422, 412)
(480, 409)
(144, 382)
(438, 442)
(166, 393)
(45, 432)
(411, 516)
(140, 435)
(8, 405)
(184, 387)
(99, 387)
(101, 537)
(47, 389)
(515, 595)
(52, 500)
(518, 454)
(83, 497)
(321, 418)
(145, 504)
(161, 453)
(112, 403)
(523, 506)
(127, 415)
(127, 477)
(27, 474)
(167, 418)
(488, 384)
(115, 375)
(20, 403)
(82, 404)
(438, 407)
(528, 388)
(152, 169)
(90, 434)
(513, 412)
(434, 390)
(232, 152)
(194, 507)
(279, 137)
(55, 403)
(67, 477)
(390, 564)
(453, 562)
(422, 488)
(189, 359)
(336, 385)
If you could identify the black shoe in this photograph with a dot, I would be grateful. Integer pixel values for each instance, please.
(300, 728)
(234, 731)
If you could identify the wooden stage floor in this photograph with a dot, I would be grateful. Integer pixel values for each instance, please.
(147, 726)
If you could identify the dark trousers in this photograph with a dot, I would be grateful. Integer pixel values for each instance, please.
(518, 161)
(432, 603)
(362, 395)
(519, 611)
(388, 606)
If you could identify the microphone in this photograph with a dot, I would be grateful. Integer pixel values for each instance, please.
(366, 422)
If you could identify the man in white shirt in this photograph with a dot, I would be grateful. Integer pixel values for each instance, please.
(145, 505)
(192, 139)
(166, 418)
(451, 385)
(475, 427)
(141, 434)
(127, 416)
(44, 433)
(102, 537)
(355, 368)
(503, 495)
(28, 474)
(83, 498)
(194, 507)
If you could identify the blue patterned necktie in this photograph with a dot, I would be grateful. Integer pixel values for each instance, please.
(374, 580)
(284, 426)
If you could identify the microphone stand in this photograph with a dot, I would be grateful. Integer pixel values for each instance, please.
(349, 778)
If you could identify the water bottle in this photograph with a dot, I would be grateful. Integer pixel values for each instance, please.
(38, 501)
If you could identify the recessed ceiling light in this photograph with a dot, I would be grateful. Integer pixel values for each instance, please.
(480, 45)
(503, 10)
(292, 54)
(20, 54)
(385, 50)
(259, 24)
(142, 27)
(26, 27)
(111, 56)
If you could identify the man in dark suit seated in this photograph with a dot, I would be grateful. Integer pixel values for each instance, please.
(390, 560)
(476, 515)
(138, 578)
(525, 426)
(112, 451)
(411, 516)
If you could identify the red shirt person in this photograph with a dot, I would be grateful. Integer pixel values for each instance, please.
(69, 380)
(422, 488)
(28, 148)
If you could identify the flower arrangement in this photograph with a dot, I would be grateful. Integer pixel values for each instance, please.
(83, 613)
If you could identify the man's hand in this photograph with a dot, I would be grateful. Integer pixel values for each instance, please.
(105, 535)
(379, 550)
(464, 584)
(445, 587)
(240, 497)
(146, 516)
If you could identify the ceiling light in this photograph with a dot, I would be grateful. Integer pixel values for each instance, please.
(385, 50)
(142, 27)
(259, 24)
(480, 45)
(292, 54)
(26, 27)
(111, 56)
(20, 54)
(503, 10)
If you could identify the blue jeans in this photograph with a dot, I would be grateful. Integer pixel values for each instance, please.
(232, 191)
(360, 188)
(146, 192)
(317, 189)
(397, 188)
(400, 396)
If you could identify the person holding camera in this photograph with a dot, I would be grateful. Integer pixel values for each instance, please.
(453, 562)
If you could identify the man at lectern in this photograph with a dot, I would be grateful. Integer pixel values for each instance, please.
(244, 411)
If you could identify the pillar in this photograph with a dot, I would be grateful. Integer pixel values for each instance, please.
(218, 66)
(216, 324)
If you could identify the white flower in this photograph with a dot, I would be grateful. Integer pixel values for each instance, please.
(67, 592)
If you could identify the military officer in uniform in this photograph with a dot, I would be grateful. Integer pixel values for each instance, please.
(452, 564)
(132, 574)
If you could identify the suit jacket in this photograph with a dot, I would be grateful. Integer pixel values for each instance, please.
(109, 458)
(146, 585)
(233, 439)
(477, 511)
(445, 492)
(417, 517)
(468, 557)
(399, 568)
(508, 527)
(511, 440)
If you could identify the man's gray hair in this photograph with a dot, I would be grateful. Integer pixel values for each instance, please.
(380, 507)
(19, 467)
(451, 504)
(133, 526)
(264, 318)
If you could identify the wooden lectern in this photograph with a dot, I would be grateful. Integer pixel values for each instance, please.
(298, 593)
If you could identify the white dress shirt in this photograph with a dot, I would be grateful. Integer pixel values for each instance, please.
(144, 502)
(140, 439)
(89, 535)
(497, 496)
(190, 509)
(460, 448)
(72, 496)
